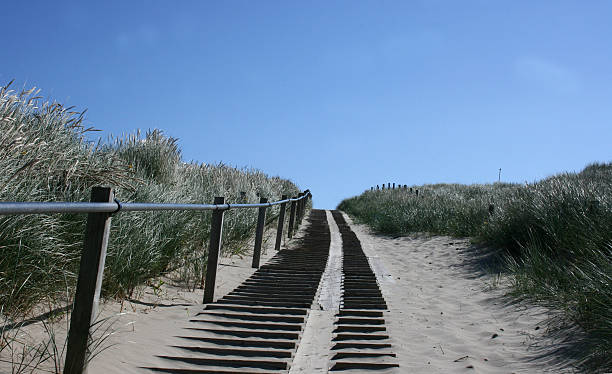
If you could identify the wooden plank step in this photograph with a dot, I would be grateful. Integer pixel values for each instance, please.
(262, 343)
(343, 355)
(252, 325)
(206, 371)
(254, 317)
(258, 310)
(359, 313)
(360, 321)
(221, 351)
(347, 365)
(360, 345)
(234, 363)
(250, 333)
(359, 328)
(353, 336)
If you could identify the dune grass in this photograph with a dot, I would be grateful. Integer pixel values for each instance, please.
(556, 234)
(45, 156)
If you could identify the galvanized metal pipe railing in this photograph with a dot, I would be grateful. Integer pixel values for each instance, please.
(102, 206)
(12, 208)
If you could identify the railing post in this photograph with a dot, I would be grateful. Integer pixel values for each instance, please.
(261, 221)
(393, 185)
(89, 283)
(307, 196)
(281, 222)
(291, 220)
(298, 213)
(216, 230)
(302, 207)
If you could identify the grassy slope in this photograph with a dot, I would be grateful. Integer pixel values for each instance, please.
(556, 234)
(44, 157)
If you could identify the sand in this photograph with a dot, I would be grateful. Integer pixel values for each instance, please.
(445, 315)
(448, 316)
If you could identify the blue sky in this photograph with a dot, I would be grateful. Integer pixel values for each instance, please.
(335, 95)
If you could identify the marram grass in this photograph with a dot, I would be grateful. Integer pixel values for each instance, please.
(44, 156)
(557, 236)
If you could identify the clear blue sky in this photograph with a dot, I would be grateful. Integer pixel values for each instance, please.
(335, 95)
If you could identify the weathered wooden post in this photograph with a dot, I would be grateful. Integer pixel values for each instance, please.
(306, 197)
(303, 209)
(300, 211)
(388, 186)
(216, 230)
(417, 192)
(393, 185)
(281, 222)
(261, 221)
(291, 219)
(89, 283)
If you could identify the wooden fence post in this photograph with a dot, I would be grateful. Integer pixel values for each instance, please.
(216, 230)
(291, 220)
(393, 185)
(281, 222)
(261, 221)
(303, 208)
(89, 283)
(300, 210)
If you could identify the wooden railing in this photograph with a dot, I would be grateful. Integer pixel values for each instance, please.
(102, 206)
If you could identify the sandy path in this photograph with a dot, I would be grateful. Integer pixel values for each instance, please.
(314, 352)
(445, 317)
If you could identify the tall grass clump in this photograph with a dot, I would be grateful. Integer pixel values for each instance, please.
(555, 233)
(45, 156)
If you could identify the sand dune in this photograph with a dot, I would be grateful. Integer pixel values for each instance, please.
(445, 314)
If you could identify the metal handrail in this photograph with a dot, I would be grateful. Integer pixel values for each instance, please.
(10, 208)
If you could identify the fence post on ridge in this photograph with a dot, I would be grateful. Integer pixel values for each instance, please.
(281, 222)
(261, 221)
(291, 220)
(89, 283)
(216, 230)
